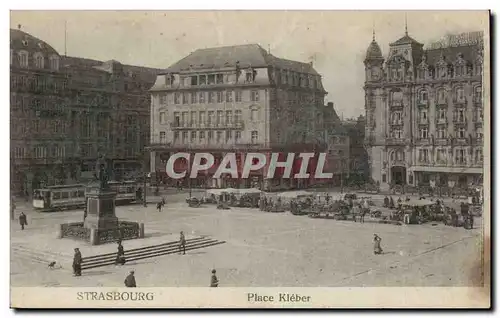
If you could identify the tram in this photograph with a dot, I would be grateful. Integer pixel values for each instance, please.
(64, 197)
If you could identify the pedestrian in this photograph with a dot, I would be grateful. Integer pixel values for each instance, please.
(130, 280)
(391, 203)
(120, 255)
(363, 213)
(182, 243)
(77, 263)
(386, 202)
(214, 282)
(163, 201)
(158, 206)
(377, 249)
(84, 213)
(23, 220)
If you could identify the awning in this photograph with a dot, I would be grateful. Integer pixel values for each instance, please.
(447, 169)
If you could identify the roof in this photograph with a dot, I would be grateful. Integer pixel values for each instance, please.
(373, 51)
(406, 40)
(333, 124)
(248, 55)
(450, 54)
(20, 40)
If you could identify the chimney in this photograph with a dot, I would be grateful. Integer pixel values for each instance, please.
(19, 27)
(330, 104)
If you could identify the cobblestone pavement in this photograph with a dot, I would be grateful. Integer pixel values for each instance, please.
(267, 250)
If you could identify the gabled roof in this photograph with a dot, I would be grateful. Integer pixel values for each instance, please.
(245, 56)
(405, 40)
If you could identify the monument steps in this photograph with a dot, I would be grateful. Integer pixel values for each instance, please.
(148, 252)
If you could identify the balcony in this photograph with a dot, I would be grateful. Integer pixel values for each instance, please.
(398, 122)
(237, 125)
(395, 141)
(423, 121)
(423, 103)
(459, 101)
(396, 104)
(460, 120)
(442, 101)
(478, 101)
(441, 121)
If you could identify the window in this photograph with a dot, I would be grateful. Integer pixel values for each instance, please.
(201, 97)
(478, 94)
(441, 156)
(237, 97)
(441, 96)
(460, 95)
(211, 115)
(202, 136)
(185, 98)
(177, 98)
(219, 137)
(219, 79)
(203, 80)
(192, 120)
(193, 136)
(461, 133)
(442, 115)
(397, 133)
(423, 155)
(384, 178)
(397, 98)
(237, 136)
(396, 118)
(39, 152)
(184, 119)
(229, 136)
(479, 156)
(229, 117)
(255, 137)
(254, 97)
(163, 137)
(229, 96)
(220, 97)
(19, 152)
(461, 116)
(193, 98)
(177, 119)
(423, 115)
(479, 114)
(202, 117)
(194, 80)
(423, 96)
(184, 137)
(254, 113)
(39, 60)
(163, 99)
(424, 133)
(211, 97)
(211, 79)
(176, 137)
(210, 136)
(163, 117)
(479, 132)
(441, 133)
(460, 156)
(237, 116)
(23, 59)
(220, 117)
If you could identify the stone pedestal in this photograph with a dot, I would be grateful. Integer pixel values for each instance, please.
(101, 209)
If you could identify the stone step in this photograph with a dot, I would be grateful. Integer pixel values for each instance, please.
(131, 252)
(171, 249)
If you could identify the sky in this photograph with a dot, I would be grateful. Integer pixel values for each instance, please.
(335, 41)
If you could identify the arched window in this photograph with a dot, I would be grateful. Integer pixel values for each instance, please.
(441, 96)
(478, 94)
(397, 98)
(39, 60)
(54, 63)
(23, 59)
(423, 96)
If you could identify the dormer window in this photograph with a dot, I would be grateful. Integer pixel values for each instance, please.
(23, 59)
(54, 62)
(25, 42)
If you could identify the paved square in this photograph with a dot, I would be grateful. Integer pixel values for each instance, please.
(262, 250)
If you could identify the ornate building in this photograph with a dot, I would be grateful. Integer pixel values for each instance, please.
(424, 111)
(65, 110)
(236, 98)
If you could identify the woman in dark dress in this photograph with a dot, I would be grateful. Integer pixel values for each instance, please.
(120, 255)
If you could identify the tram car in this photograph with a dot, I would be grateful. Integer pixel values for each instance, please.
(126, 191)
(60, 197)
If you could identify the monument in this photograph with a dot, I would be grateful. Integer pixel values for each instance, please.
(100, 224)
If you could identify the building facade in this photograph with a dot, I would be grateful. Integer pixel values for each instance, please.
(66, 110)
(338, 146)
(237, 98)
(359, 170)
(424, 112)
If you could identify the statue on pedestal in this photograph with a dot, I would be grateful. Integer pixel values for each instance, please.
(100, 172)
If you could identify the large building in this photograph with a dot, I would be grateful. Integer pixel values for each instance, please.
(66, 110)
(338, 146)
(424, 111)
(359, 170)
(237, 98)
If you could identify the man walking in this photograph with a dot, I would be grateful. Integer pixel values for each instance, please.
(77, 263)
(23, 220)
(130, 280)
(214, 281)
(182, 243)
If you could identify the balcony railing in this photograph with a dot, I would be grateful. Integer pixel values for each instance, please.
(398, 122)
(423, 102)
(197, 125)
(395, 141)
(441, 120)
(423, 121)
(396, 104)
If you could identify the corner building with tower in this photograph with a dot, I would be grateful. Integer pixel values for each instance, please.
(424, 112)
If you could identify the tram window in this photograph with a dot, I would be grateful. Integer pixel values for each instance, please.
(74, 194)
(56, 195)
(81, 193)
(129, 190)
(64, 195)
